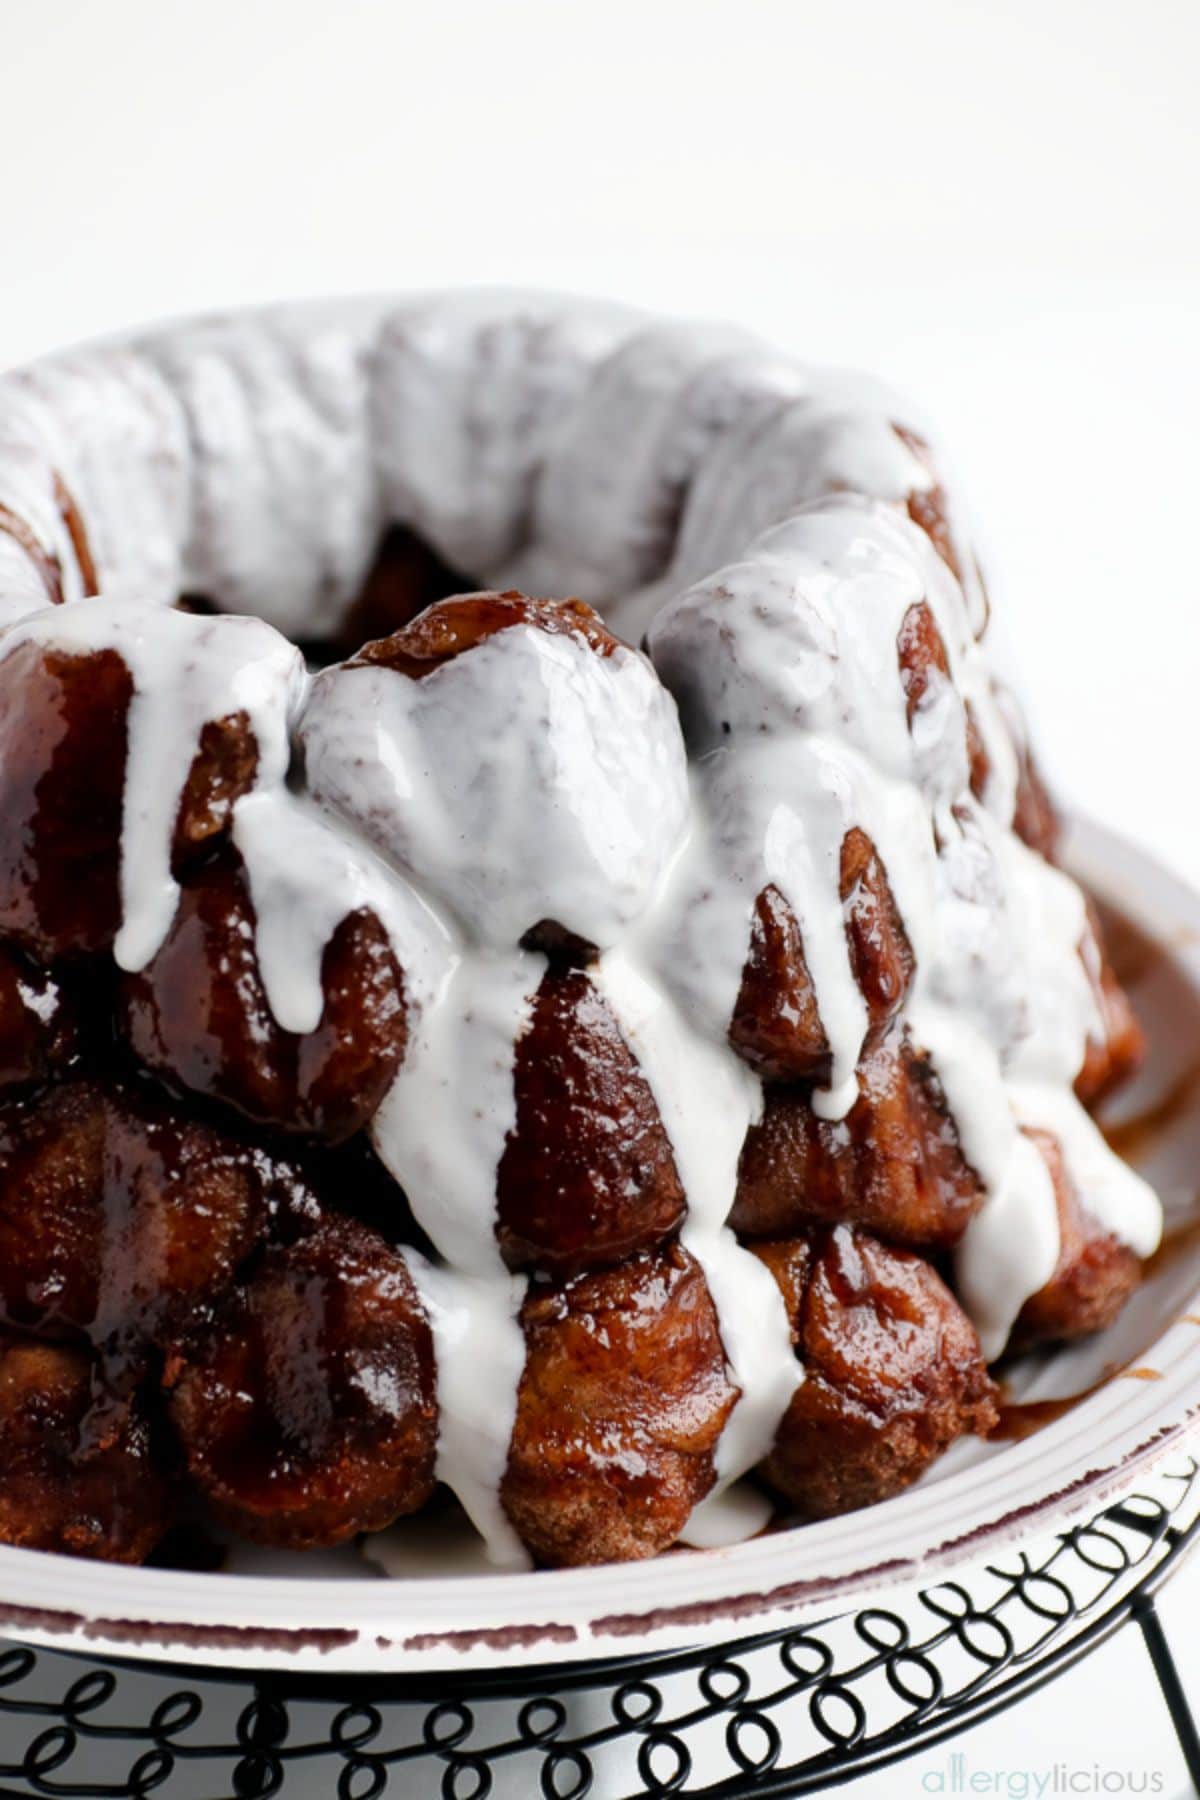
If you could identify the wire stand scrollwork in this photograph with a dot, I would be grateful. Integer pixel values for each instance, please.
(783, 1713)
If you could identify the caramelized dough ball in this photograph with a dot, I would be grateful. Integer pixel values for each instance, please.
(620, 1407)
(923, 661)
(587, 1176)
(892, 1165)
(38, 1028)
(921, 653)
(892, 1371)
(307, 1409)
(119, 1218)
(74, 1476)
(222, 771)
(63, 724)
(776, 1024)
(62, 776)
(51, 1209)
(1093, 1278)
(198, 1014)
(447, 630)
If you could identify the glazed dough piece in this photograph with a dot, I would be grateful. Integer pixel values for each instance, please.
(62, 771)
(199, 1015)
(121, 1217)
(306, 1410)
(893, 1165)
(1116, 1044)
(620, 1407)
(587, 1176)
(777, 1025)
(39, 1021)
(74, 1477)
(893, 1371)
(1095, 1272)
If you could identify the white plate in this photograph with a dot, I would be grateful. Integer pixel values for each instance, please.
(339, 1614)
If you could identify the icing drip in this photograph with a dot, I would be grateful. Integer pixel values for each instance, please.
(441, 1132)
(708, 1099)
(480, 1352)
(306, 872)
(442, 1129)
(573, 450)
(186, 672)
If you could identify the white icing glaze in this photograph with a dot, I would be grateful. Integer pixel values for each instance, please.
(306, 872)
(708, 1099)
(469, 395)
(565, 799)
(115, 433)
(480, 1352)
(256, 459)
(29, 501)
(607, 502)
(441, 1131)
(1011, 1246)
(283, 504)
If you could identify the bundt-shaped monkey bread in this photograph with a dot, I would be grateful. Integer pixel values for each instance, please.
(531, 953)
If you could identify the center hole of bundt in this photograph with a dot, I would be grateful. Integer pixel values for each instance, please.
(406, 575)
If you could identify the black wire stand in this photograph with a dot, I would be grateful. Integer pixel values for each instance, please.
(784, 1713)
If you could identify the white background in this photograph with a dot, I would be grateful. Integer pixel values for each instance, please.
(995, 205)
